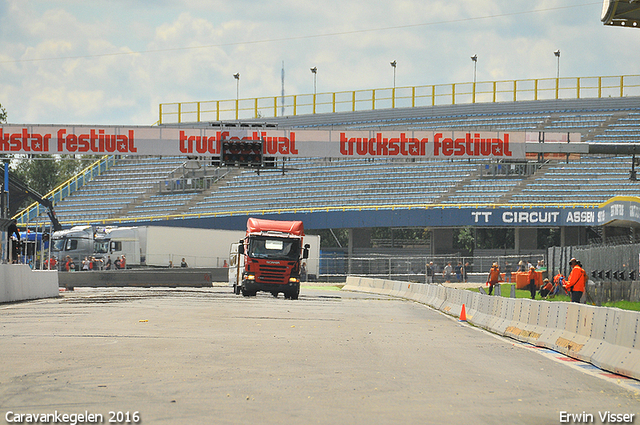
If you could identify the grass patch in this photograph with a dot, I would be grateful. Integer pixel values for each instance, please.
(505, 290)
(323, 288)
(624, 305)
(523, 293)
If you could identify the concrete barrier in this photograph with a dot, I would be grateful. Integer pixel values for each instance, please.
(18, 283)
(145, 278)
(606, 337)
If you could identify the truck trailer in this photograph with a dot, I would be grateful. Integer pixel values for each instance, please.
(152, 246)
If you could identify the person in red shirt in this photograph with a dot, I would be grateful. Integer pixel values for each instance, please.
(577, 280)
(53, 263)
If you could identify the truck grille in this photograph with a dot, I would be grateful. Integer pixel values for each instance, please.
(272, 274)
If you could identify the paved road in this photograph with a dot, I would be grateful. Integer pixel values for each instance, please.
(206, 356)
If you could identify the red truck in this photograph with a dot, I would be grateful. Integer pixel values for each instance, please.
(269, 258)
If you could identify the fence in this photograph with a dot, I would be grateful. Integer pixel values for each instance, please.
(413, 268)
(619, 258)
(612, 270)
(402, 97)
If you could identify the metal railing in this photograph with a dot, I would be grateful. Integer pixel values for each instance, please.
(401, 97)
(65, 189)
(414, 268)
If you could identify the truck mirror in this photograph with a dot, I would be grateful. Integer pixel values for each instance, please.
(305, 252)
(241, 248)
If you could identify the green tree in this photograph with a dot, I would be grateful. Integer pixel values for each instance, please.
(463, 240)
(3, 114)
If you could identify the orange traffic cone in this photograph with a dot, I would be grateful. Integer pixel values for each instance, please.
(463, 314)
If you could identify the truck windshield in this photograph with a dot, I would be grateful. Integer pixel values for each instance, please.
(101, 246)
(276, 248)
(58, 245)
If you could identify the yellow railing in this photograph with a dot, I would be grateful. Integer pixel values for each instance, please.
(65, 189)
(401, 97)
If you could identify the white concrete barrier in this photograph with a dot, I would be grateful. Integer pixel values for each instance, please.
(606, 337)
(18, 282)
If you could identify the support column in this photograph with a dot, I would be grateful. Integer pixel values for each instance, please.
(350, 250)
(525, 239)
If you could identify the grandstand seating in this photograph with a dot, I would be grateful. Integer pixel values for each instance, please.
(130, 189)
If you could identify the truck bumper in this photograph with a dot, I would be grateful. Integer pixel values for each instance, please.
(250, 287)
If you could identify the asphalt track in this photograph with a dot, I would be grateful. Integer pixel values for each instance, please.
(206, 356)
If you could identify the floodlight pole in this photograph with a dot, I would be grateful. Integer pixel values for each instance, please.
(237, 77)
(393, 92)
(474, 58)
(314, 71)
(557, 54)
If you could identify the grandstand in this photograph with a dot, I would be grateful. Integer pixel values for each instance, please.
(145, 189)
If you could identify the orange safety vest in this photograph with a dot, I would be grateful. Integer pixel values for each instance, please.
(494, 275)
(577, 279)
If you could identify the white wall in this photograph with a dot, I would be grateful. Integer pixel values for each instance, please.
(18, 282)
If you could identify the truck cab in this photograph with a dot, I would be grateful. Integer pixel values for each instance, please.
(268, 258)
(77, 243)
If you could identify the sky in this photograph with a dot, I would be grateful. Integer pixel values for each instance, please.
(112, 62)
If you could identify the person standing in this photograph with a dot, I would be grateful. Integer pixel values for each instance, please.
(458, 271)
(577, 280)
(430, 272)
(183, 263)
(14, 243)
(531, 277)
(494, 277)
(507, 272)
(446, 272)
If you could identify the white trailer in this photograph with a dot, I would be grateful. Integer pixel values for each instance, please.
(159, 246)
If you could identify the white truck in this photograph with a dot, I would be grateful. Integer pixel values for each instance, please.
(154, 246)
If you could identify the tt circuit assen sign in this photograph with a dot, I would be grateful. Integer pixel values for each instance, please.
(548, 217)
(97, 140)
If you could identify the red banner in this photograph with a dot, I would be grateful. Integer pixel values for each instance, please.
(172, 141)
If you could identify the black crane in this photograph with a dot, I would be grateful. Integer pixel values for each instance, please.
(26, 190)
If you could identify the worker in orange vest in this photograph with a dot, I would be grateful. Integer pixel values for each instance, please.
(494, 277)
(546, 289)
(577, 280)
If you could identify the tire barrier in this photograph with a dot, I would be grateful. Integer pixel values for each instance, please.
(603, 336)
(18, 283)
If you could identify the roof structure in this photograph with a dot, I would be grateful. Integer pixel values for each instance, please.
(624, 13)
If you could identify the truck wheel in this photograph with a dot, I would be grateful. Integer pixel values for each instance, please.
(292, 294)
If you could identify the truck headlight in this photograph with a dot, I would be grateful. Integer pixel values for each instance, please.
(294, 280)
(251, 277)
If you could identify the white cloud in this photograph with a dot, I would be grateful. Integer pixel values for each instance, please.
(432, 42)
